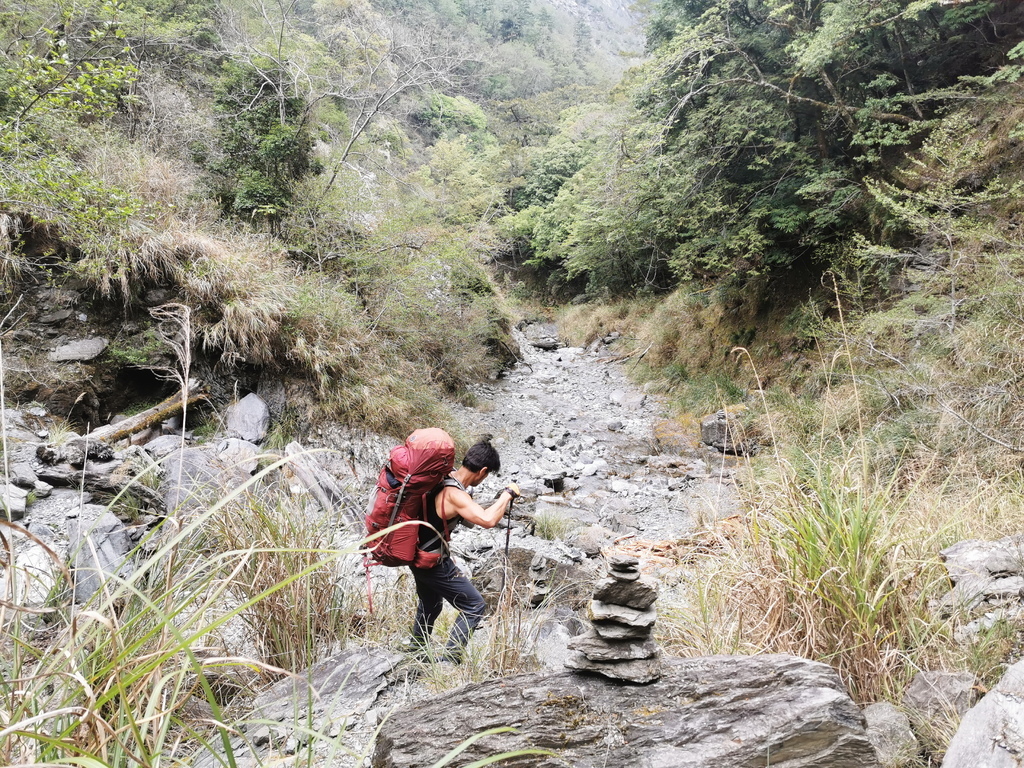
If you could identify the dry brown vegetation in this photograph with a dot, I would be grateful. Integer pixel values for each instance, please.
(890, 429)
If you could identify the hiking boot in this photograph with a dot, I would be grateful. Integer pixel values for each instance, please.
(415, 648)
(450, 656)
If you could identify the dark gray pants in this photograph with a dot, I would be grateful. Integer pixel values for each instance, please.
(434, 586)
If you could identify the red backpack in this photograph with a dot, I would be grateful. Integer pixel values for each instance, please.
(413, 470)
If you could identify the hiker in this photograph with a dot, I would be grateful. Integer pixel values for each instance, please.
(444, 581)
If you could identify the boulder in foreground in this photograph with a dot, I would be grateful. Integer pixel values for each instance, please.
(736, 711)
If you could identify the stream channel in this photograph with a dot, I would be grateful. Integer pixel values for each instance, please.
(590, 448)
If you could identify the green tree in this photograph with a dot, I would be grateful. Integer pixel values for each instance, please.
(751, 129)
(266, 141)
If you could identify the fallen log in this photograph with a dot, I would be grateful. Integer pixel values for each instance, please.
(172, 406)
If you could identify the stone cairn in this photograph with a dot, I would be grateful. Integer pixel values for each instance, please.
(622, 614)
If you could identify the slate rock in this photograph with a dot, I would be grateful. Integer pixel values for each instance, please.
(890, 733)
(981, 592)
(604, 613)
(81, 350)
(22, 474)
(937, 695)
(639, 594)
(991, 734)
(985, 574)
(1004, 557)
(639, 671)
(711, 712)
(164, 445)
(54, 318)
(596, 648)
(341, 686)
(99, 544)
(619, 563)
(239, 454)
(249, 418)
(13, 501)
(190, 480)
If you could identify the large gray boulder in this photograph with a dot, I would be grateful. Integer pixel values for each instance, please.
(991, 735)
(248, 419)
(735, 711)
(99, 545)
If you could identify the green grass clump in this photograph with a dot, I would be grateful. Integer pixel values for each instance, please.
(295, 625)
(553, 525)
(830, 570)
(845, 581)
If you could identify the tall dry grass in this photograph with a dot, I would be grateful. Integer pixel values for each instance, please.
(839, 577)
(141, 676)
(899, 446)
(293, 626)
(381, 310)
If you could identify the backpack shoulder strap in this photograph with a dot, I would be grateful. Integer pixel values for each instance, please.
(449, 482)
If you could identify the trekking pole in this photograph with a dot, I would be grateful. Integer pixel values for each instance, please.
(508, 528)
(369, 584)
(508, 538)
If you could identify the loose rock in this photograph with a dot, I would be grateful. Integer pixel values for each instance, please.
(249, 418)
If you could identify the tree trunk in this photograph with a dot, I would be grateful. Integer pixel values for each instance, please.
(172, 406)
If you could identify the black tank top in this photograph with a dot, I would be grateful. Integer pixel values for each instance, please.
(435, 537)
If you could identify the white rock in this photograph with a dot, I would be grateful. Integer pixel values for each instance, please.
(249, 418)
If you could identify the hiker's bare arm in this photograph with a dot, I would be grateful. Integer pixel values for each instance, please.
(461, 504)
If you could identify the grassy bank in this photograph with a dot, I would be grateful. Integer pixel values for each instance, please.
(161, 664)
(888, 430)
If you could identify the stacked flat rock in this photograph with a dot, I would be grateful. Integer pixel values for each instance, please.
(619, 644)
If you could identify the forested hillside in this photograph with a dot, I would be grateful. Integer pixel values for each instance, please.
(834, 187)
(273, 160)
(315, 182)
